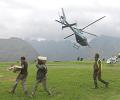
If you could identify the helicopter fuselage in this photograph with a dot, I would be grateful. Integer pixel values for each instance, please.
(78, 32)
(80, 39)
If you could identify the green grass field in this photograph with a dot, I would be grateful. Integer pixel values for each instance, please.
(66, 81)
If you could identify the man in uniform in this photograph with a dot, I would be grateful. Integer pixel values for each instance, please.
(97, 72)
(22, 76)
(41, 76)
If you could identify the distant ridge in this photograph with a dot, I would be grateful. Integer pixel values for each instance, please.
(63, 50)
(12, 49)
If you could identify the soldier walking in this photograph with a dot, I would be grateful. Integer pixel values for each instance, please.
(97, 72)
(21, 76)
(41, 75)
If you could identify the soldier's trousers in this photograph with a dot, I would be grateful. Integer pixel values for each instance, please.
(44, 84)
(21, 77)
(97, 76)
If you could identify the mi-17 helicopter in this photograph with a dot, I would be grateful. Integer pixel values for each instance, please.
(79, 33)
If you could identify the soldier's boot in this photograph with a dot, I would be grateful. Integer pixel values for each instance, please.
(13, 89)
(26, 92)
(34, 89)
(104, 82)
(107, 84)
(48, 92)
(45, 88)
(95, 84)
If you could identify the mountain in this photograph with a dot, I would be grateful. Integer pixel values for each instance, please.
(12, 49)
(55, 50)
(63, 50)
(107, 46)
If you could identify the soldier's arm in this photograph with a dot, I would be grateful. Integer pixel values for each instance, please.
(37, 66)
(94, 66)
(22, 65)
(46, 69)
(99, 63)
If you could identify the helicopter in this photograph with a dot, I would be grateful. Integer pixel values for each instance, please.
(79, 33)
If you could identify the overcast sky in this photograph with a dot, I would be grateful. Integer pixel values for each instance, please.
(35, 19)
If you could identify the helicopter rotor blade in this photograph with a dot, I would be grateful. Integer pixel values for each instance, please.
(68, 36)
(63, 14)
(89, 33)
(93, 22)
(85, 31)
(60, 22)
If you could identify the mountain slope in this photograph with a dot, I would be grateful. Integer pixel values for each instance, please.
(12, 49)
(106, 45)
(63, 50)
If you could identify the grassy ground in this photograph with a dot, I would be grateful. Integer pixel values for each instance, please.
(66, 80)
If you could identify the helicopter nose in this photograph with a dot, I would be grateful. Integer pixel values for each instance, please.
(85, 43)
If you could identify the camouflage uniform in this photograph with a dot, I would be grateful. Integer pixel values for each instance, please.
(21, 76)
(97, 73)
(41, 78)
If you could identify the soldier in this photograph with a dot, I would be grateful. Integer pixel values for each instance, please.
(41, 75)
(97, 72)
(21, 76)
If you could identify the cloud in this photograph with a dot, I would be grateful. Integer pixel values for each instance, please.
(36, 19)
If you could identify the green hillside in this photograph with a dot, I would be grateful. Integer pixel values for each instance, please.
(12, 49)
